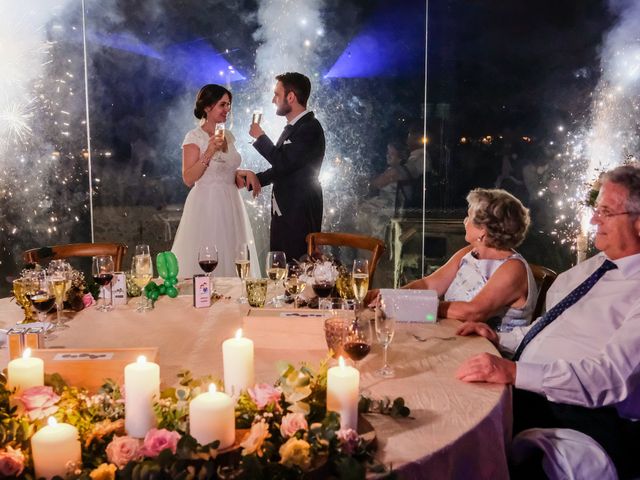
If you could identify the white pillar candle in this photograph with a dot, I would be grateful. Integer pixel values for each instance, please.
(212, 417)
(141, 387)
(25, 372)
(343, 384)
(54, 447)
(237, 361)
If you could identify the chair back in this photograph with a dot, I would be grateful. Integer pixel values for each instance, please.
(374, 245)
(116, 250)
(544, 278)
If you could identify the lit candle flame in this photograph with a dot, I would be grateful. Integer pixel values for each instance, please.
(142, 359)
(26, 353)
(52, 421)
(239, 333)
(212, 388)
(341, 362)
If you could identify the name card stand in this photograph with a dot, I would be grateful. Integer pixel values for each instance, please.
(90, 367)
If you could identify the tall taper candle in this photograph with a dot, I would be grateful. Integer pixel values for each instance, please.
(343, 383)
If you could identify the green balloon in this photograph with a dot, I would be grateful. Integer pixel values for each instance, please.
(172, 291)
(162, 289)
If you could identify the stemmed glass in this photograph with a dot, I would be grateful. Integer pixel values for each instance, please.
(243, 265)
(208, 260)
(386, 311)
(59, 281)
(42, 300)
(276, 271)
(357, 343)
(256, 118)
(219, 133)
(102, 271)
(360, 279)
(142, 272)
(295, 284)
(324, 279)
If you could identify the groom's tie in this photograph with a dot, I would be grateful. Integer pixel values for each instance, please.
(284, 134)
(577, 293)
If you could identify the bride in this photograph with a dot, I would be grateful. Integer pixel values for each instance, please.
(213, 212)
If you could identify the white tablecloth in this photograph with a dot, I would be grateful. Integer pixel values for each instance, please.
(458, 430)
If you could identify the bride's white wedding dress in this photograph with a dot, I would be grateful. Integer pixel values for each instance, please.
(214, 213)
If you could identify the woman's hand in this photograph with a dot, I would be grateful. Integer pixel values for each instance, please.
(216, 144)
(250, 180)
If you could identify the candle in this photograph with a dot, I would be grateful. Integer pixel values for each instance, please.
(54, 447)
(237, 361)
(25, 372)
(141, 386)
(343, 385)
(212, 417)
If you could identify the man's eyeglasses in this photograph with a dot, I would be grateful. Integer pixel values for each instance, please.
(604, 213)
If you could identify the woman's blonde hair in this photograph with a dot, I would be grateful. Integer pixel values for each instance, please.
(502, 215)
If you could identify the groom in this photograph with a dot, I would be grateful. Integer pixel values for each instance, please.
(296, 159)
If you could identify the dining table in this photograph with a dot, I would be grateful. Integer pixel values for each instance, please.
(456, 430)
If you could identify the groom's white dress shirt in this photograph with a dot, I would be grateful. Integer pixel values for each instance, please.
(589, 355)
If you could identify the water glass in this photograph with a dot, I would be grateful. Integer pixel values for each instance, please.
(243, 266)
(335, 332)
(257, 291)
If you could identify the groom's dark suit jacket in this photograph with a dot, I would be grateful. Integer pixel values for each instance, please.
(295, 160)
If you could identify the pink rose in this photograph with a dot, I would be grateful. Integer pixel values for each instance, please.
(123, 450)
(11, 462)
(87, 300)
(263, 394)
(39, 402)
(291, 423)
(155, 441)
(349, 440)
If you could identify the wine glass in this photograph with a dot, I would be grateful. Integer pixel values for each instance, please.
(295, 283)
(360, 279)
(386, 312)
(208, 260)
(59, 281)
(142, 273)
(357, 343)
(218, 132)
(324, 279)
(256, 118)
(276, 271)
(43, 299)
(102, 271)
(243, 265)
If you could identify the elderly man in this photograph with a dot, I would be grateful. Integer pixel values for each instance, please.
(578, 366)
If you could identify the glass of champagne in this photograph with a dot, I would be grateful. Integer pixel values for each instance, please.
(218, 132)
(257, 116)
(59, 282)
(277, 272)
(243, 265)
(360, 279)
(386, 312)
(102, 271)
(142, 272)
(208, 261)
(295, 284)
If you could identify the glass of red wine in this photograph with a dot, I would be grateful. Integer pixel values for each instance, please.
(357, 342)
(208, 261)
(324, 279)
(43, 301)
(102, 271)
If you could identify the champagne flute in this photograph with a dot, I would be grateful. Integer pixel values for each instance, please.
(102, 271)
(276, 271)
(243, 265)
(256, 118)
(386, 311)
(142, 272)
(59, 282)
(360, 279)
(208, 260)
(294, 284)
(218, 132)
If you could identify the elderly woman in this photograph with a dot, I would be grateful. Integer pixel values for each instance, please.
(487, 281)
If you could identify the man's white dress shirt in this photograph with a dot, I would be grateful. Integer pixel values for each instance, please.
(590, 354)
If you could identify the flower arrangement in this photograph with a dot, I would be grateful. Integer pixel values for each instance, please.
(284, 432)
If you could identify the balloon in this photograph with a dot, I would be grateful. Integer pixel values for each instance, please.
(172, 291)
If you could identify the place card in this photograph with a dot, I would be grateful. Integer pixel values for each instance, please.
(119, 288)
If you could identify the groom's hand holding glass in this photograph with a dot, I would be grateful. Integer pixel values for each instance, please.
(255, 130)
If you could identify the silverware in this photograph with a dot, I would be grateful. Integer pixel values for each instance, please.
(424, 339)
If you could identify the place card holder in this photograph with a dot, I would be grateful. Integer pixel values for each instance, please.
(34, 338)
(201, 292)
(15, 340)
(119, 288)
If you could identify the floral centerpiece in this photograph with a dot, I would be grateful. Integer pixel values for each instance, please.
(285, 432)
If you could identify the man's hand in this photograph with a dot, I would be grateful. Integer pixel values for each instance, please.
(478, 328)
(255, 130)
(487, 368)
(370, 297)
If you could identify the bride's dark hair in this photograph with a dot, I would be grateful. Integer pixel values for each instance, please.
(207, 96)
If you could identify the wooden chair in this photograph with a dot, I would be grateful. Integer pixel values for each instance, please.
(544, 278)
(374, 245)
(46, 254)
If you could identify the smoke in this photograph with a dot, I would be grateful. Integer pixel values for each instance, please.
(614, 134)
